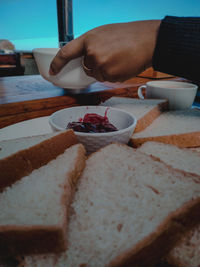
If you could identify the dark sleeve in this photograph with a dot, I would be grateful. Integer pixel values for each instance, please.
(177, 49)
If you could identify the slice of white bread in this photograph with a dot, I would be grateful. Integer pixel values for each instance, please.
(21, 156)
(181, 128)
(129, 210)
(144, 110)
(179, 158)
(34, 210)
(187, 253)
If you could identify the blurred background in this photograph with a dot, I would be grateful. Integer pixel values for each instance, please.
(29, 24)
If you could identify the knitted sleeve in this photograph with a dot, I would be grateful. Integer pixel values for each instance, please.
(177, 50)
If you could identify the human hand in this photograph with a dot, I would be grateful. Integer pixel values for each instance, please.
(114, 52)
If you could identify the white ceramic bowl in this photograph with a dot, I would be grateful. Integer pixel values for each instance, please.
(122, 120)
(72, 76)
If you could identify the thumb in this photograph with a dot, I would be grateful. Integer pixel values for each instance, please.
(71, 50)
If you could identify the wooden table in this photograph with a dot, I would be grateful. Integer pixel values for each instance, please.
(27, 97)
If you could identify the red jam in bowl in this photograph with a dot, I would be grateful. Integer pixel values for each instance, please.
(92, 123)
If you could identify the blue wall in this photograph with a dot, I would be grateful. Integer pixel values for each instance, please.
(33, 23)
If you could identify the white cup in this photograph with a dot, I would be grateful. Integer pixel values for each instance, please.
(72, 76)
(180, 95)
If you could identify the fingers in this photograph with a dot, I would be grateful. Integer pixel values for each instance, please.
(88, 70)
(74, 49)
(88, 65)
(101, 71)
(91, 67)
(68, 52)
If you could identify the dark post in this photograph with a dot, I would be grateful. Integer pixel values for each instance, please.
(65, 21)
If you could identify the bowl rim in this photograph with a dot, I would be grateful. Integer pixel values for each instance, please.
(45, 50)
(118, 132)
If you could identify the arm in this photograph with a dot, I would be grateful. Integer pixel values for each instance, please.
(114, 52)
(117, 52)
(177, 49)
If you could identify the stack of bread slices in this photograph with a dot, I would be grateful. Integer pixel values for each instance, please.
(120, 206)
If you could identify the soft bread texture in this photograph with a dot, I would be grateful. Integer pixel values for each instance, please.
(181, 128)
(187, 253)
(19, 157)
(179, 158)
(144, 110)
(9, 147)
(129, 210)
(34, 211)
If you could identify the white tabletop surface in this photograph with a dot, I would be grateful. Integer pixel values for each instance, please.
(26, 128)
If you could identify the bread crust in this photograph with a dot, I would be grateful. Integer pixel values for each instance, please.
(30, 240)
(152, 248)
(174, 262)
(22, 163)
(174, 258)
(191, 139)
(70, 188)
(146, 120)
(167, 235)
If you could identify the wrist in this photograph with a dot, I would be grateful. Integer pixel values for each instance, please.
(154, 26)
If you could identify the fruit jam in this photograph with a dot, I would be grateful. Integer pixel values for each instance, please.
(92, 123)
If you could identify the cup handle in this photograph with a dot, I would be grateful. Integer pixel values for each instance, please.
(139, 92)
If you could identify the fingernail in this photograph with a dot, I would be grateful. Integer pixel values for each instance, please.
(51, 71)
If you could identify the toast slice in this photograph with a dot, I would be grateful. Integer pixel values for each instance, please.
(187, 253)
(129, 210)
(34, 210)
(146, 111)
(18, 157)
(180, 127)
